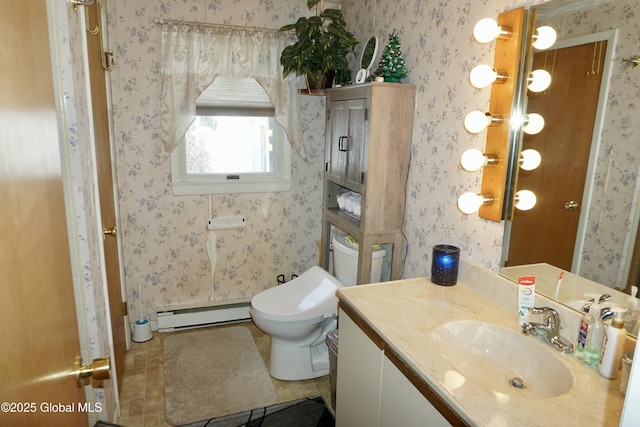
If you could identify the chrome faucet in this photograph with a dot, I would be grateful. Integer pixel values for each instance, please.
(549, 331)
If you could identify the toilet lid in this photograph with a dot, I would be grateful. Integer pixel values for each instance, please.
(309, 296)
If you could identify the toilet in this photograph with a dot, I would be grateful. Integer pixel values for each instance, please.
(297, 315)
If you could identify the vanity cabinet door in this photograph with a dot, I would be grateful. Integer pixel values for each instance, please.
(346, 139)
(359, 376)
(401, 404)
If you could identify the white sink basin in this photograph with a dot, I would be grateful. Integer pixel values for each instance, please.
(502, 360)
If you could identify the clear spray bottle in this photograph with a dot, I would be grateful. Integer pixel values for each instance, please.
(593, 346)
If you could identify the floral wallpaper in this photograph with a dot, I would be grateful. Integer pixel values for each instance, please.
(612, 218)
(164, 236)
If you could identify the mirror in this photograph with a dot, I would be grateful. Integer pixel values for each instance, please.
(366, 59)
(574, 291)
(604, 241)
(604, 246)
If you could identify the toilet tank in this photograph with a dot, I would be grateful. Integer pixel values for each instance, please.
(345, 261)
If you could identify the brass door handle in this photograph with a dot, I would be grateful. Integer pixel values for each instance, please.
(570, 205)
(99, 370)
(113, 231)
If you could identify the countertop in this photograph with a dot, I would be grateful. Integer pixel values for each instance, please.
(404, 315)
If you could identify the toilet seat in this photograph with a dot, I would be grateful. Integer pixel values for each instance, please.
(309, 296)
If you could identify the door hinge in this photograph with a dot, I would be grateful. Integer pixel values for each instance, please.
(328, 115)
(366, 114)
(326, 166)
(362, 178)
(125, 310)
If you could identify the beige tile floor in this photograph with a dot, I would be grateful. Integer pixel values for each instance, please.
(142, 391)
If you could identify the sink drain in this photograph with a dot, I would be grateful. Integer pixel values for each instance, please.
(517, 382)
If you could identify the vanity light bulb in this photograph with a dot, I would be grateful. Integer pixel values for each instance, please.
(482, 76)
(525, 200)
(486, 30)
(472, 160)
(469, 202)
(539, 80)
(534, 124)
(530, 159)
(476, 121)
(544, 38)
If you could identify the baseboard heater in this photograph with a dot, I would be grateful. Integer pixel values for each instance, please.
(176, 318)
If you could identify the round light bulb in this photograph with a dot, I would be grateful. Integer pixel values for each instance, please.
(482, 76)
(525, 200)
(476, 122)
(535, 123)
(540, 80)
(530, 159)
(472, 160)
(486, 30)
(469, 202)
(545, 37)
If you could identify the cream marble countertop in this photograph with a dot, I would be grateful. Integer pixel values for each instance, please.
(405, 313)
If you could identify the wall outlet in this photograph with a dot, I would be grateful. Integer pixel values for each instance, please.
(224, 222)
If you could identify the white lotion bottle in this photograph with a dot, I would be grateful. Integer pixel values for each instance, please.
(613, 346)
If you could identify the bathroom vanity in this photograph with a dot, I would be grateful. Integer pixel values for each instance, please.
(413, 353)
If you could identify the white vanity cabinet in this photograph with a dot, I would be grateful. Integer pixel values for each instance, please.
(371, 390)
(367, 150)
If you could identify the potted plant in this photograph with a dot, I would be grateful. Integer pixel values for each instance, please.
(321, 49)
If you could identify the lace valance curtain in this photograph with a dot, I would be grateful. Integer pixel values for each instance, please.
(194, 54)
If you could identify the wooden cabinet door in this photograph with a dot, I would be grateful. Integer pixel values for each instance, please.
(336, 133)
(345, 143)
(355, 143)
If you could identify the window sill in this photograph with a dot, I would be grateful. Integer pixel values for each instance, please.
(198, 188)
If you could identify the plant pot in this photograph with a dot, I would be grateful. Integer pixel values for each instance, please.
(318, 80)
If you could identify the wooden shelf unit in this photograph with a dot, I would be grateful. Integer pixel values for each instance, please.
(367, 151)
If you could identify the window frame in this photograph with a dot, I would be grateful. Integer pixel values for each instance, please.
(183, 183)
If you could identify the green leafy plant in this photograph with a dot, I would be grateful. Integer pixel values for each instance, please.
(322, 46)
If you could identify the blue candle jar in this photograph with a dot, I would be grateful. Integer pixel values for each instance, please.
(444, 265)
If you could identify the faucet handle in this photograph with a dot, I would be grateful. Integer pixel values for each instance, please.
(551, 317)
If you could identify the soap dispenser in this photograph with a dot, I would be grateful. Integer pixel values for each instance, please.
(613, 346)
(593, 345)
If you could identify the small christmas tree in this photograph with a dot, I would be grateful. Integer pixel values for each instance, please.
(392, 61)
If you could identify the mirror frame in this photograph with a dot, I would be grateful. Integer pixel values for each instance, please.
(364, 72)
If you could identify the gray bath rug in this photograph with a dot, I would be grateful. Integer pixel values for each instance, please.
(214, 372)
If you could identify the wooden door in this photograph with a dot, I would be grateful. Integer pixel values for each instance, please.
(547, 233)
(39, 340)
(101, 123)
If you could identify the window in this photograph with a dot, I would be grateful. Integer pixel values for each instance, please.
(234, 144)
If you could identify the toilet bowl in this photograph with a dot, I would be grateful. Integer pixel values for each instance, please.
(297, 315)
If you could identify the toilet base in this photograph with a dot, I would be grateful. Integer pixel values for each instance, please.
(293, 363)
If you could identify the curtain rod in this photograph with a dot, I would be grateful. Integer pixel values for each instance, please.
(223, 26)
